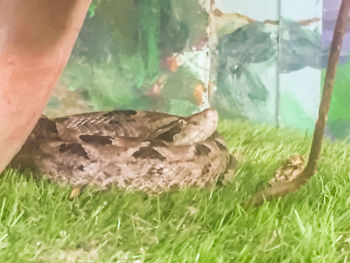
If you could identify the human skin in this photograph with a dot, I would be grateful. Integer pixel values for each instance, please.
(36, 40)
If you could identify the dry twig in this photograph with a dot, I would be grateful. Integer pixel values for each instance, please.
(282, 189)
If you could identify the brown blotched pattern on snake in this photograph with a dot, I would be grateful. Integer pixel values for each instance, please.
(138, 150)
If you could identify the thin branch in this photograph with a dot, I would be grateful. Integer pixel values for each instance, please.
(310, 169)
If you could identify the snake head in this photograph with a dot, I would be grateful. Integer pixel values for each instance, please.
(197, 127)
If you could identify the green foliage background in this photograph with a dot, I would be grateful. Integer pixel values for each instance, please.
(123, 45)
(121, 50)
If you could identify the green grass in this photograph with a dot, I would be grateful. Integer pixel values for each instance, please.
(39, 224)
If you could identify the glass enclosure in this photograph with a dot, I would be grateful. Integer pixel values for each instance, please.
(257, 60)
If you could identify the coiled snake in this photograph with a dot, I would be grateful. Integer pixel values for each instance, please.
(138, 150)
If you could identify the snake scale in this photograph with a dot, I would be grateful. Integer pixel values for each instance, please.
(137, 150)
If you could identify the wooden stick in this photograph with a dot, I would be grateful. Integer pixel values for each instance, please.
(310, 169)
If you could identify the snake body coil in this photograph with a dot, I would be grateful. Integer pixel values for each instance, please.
(137, 150)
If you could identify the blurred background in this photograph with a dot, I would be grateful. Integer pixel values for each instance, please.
(257, 60)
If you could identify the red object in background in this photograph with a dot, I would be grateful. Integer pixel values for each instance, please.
(36, 39)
